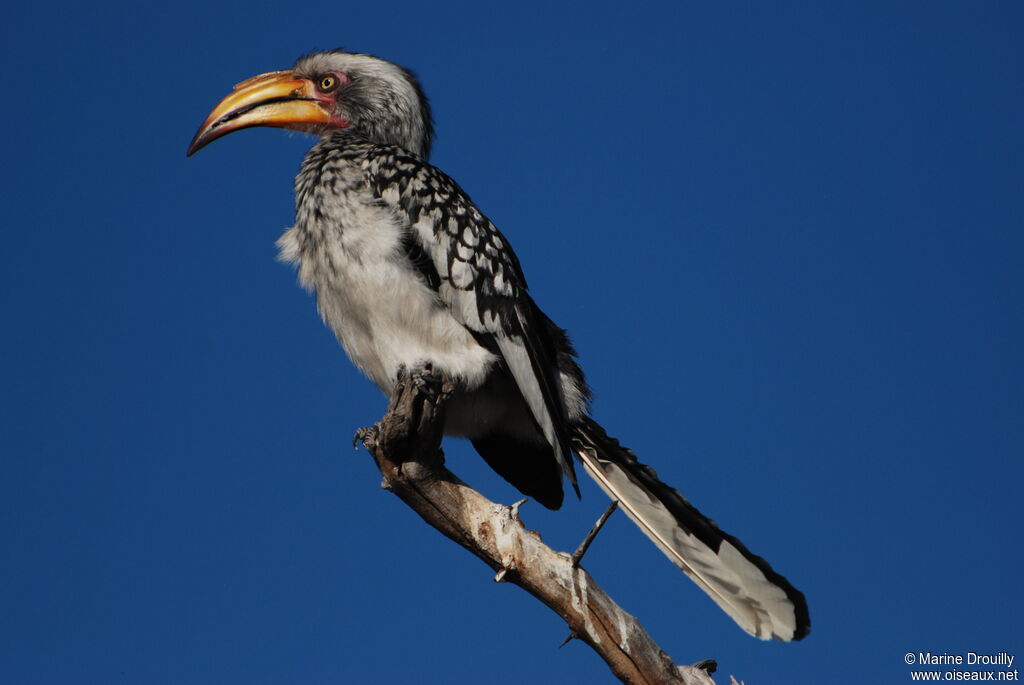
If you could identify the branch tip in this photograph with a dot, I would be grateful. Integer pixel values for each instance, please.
(709, 665)
(514, 509)
(577, 556)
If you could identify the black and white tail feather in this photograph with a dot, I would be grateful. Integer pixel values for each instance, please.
(408, 271)
(761, 601)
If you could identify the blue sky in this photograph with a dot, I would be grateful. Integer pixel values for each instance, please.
(786, 239)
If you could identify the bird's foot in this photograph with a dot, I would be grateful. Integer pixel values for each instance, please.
(366, 436)
(426, 381)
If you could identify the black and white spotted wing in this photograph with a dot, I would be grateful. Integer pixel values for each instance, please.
(476, 274)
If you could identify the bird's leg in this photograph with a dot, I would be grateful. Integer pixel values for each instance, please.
(369, 436)
(426, 381)
(432, 391)
(577, 556)
(411, 429)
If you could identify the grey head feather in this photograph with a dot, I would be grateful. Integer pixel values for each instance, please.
(383, 101)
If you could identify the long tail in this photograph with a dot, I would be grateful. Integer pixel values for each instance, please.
(760, 600)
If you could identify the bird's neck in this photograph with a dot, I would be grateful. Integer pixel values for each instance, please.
(344, 137)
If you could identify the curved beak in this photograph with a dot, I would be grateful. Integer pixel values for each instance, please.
(278, 99)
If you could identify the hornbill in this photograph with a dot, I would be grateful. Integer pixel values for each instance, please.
(408, 272)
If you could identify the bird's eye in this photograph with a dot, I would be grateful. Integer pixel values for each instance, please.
(327, 83)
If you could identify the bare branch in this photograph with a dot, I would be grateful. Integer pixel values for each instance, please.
(577, 556)
(405, 444)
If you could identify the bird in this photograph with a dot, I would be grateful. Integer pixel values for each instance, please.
(410, 274)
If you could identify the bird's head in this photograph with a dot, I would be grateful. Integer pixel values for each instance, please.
(380, 101)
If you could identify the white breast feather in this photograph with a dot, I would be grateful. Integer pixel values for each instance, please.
(380, 309)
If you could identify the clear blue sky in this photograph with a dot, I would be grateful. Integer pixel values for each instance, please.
(787, 241)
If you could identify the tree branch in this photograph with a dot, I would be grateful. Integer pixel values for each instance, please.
(405, 444)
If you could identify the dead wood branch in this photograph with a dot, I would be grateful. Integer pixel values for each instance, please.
(406, 447)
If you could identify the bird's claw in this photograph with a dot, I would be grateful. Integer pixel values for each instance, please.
(364, 436)
(427, 384)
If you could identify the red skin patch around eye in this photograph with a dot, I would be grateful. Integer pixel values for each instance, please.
(343, 80)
